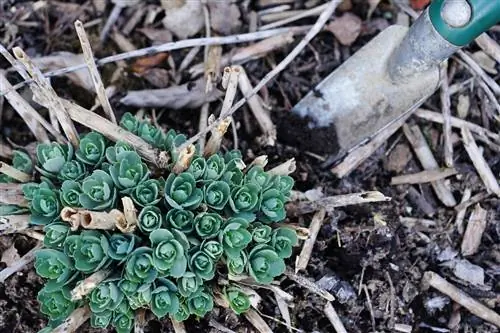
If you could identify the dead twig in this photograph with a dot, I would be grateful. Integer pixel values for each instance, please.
(75, 320)
(314, 228)
(12, 194)
(431, 279)
(85, 287)
(474, 231)
(12, 172)
(459, 219)
(309, 285)
(307, 13)
(489, 46)
(446, 110)
(334, 318)
(88, 56)
(425, 176)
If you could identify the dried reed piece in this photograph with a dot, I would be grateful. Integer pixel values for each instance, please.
(85, 287)
(308, 284)
(474, 231)
(130, 213)
(303, 259)
(431, 279)
(94, 73)
(334, 318)
(50, 98)
(425, 176)
(489, 46)
(12, 172)
(12, 194)
(214, 142)
(75, 320)
(184, 159)
(92, 220)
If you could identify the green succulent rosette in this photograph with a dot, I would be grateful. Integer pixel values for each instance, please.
(127, 287)
(215, 167)
(22, 161)
(141, 297)
(207, 225)
(285, 185)
(169, 252)
(56, 304)
(237, 265)
(202, 265)
(123, 322)
(283, 241)
(182, 313)
(44, 206)
(147, 193)
(151, 134)
(213, 249)
(98, 191)
(264, 264)
(272, 208)
(51, 158)
(139, 267)
(216, 194)
(129, 122)
(101, 320)
(72, 170)
(181, 191)
(182, 220)
(55, 266)
(92, 149)
(197, 167)
(164, 298)
(105, 297)
(200, 303)
(121, 245)
(71, 244)
(150, 219)
(189, 284)
(113, 151)
(245, 200)
(238, 301)
(235, 236)
(91, 253)
(55, 235)
(70, 193)
(261, 233)
(257, 176)
(128, 171)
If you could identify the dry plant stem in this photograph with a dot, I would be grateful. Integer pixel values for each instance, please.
(285, 168)
(5, 150)
(403, 328)
(426, 158)
(446, 110)
(113, 16)
(493, 99)
(489, 46)
(310, 12)
(256, 320)
(130, 213)
(53, 103)
(10, 224)
(94, 73)
(334, 318)
(215, 140)
(431, 279)
(474, 231)
(202, 125)
(25, 110)
(247, 53)
(361, 153)
(75, 320)
(492, 84)
(424, 176)
(276, 70)
(12, 194)
(457, 123)
(71, 216)
(33, 234)
(482, 167)
(19, 264)
(178, 326)
(459, 219)
(184, 159)
(261, 161)
(309, 285)
(12, 172)
(101, 220)
(330, 203)
(85, 287)
(284, 310)
(314, 228)
(473, 200)
(115, 133)
(262, 116)
(140, 321)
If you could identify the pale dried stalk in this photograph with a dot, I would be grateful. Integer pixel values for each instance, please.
(113, 16)
(140, 321)
(330, 203)
(302, 232)
(316, 28)
(53, 103)
(212, 66)
(215, 140)
(258, 161)
(184, 160)
(5, 150)
(492, 84)
(19, 264)
(256, 320)
(284, 310)
(482, 167)
(285, 168)
(12, 194)
(178, 326)
(446, 110)
(473, 200)
(130, 216)
(459, 219)
(10, 224)
(75, 320)
(403, 328)
(24, 110)
(489, 46)
(334, 318)
(426, 158)
(202, 125)
(310, 12)
(474, 231)
(115, 133)
(309, 285)
(12, 172)
(262, 116)
(33, 234)
(423, 176)
(92, 220)
(431, 279)
(85, 287)
(88, 56)
(314, 228)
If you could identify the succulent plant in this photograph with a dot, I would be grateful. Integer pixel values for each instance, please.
(264, 264)
(70, 193)
(200, 303)
(129, 122)
(139, 267)
(169, 255)
(147, 193)
(72, 170)
(91, 253)
(283, 241)
(150, 218)
(44, 206)
(189, 284)
(151, 134)
(235, 237)
(237, 299)
(182, 220)
(92, 149)
(51, 158)
(207, 225)
(56, 304)
(121, 245)
(181, 191)
(22, 161)
(106, 297)
(55, 266)
(98, 191)
(164, 298)
(55, 235)
(128, 171)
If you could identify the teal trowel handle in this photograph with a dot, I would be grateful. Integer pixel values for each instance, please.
(483, 15)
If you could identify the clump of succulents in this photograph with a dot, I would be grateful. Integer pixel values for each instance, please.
(214, 219)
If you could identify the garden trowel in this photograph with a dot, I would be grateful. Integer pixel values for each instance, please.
(390, 76)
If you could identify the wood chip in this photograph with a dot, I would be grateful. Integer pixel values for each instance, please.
(431, 279)
(424, 176)
(86, 286)
(474, 231)
(305, 255)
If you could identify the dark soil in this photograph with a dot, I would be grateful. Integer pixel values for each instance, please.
(365, 245)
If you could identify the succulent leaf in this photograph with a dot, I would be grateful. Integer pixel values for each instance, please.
(92, 149)
(105, 297)
(142, 297)
(129, 122)
(70, 193)
(189, 284)
(91, 253)
(200, 303)
(147, 193)
(151, 134)
(272, 206)
(215, 167)
(55, 235)
(101, 320)
(202, 265)
(244, 198)
(168, 253)
(22, 161)
(113, 151)
(238, 301)
(72, 170)
(164, 298)
(55, 266)
(213, 249)
(283, 241)
(56, 304)
(150, 218)
(51, 158)
(45, 206)
(182, 220)
(216, 194)
(139, 267)
(182, 313)
(98, 191)
(181, 191)
(197, 167)
(121, 245)
(207, 225)
(235, 237)
(261, 233)
(264, 264)
(237, 265)
(128, 171)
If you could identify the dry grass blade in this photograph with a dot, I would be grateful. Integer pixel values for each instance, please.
(482, 167)
(431, 279)
(12, 194)
(86, 286)
(459, 219)
(94, 73)
(309, 285)
(19, 265)
(284, 169)
(491, 83)
(49, 98)
(75, 320)
(307, 13)
(314, 228)
(256, 320)
(12, 172)
(334, 318)
(446, 110)
(424, 176)
(285, 312)
(474, 231)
